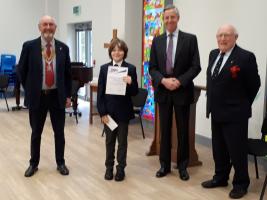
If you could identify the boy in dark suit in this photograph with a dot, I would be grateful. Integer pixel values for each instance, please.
(118, 107)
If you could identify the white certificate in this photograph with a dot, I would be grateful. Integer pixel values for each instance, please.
(111, 123)
(115, 84)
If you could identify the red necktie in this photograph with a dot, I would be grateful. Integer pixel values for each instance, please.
(49, 72)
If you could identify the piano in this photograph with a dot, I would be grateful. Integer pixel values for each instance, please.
(79, 72)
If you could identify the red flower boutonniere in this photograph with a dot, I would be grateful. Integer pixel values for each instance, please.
(234, 70)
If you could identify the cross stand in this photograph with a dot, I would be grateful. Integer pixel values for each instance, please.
(114, 36)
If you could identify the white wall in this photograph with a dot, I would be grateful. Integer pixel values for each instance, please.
(99, 12)
(118, 17)
(123, 15)
(133, 36)
(203, 19)
(19, 22)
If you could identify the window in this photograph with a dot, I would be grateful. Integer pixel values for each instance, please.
(83, 45)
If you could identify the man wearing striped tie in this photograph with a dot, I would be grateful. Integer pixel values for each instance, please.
(232, 85)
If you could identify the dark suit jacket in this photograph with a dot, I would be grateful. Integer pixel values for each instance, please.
(119, 107)
(264, 126)
(30, 72)
(186, 67)
(231, 94)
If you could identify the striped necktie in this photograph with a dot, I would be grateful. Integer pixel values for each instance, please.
(217, 67)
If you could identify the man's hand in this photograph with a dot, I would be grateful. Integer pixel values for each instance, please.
(104, 119)
(171, 83)
(68, 102)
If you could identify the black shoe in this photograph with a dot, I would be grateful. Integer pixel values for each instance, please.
(237, 193)
(120, 174)
(109, 174)
(213, 184)
(184, 175)
(162, 172)
(63, 170)
(30, 171)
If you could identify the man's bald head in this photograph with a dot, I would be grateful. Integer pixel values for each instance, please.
(226, 37)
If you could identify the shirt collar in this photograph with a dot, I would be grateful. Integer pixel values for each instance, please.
(119, 63)
(227, 53)
(43, 42)
(175, 33)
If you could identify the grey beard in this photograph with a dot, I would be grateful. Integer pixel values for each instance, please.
(48, 35)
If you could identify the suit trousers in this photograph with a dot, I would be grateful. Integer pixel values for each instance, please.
(229, 142)
(121, 133)
(182, 125)
(48, 102)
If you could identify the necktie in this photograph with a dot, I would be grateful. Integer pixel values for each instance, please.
(169, 64)
(116, 65)
(217, 67)
(49, 72)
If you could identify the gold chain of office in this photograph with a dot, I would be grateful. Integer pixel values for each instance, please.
(48, 58)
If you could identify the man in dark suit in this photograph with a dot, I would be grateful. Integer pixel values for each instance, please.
(45, 73)
(232, 84)
(174, 63)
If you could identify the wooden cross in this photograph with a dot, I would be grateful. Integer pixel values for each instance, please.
(114, 36)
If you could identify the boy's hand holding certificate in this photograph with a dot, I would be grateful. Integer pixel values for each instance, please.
(111, 123)
(115, 84)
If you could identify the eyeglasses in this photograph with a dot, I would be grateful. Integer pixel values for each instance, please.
(225, 35)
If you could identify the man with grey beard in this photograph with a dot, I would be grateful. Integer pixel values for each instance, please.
(45, 73)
